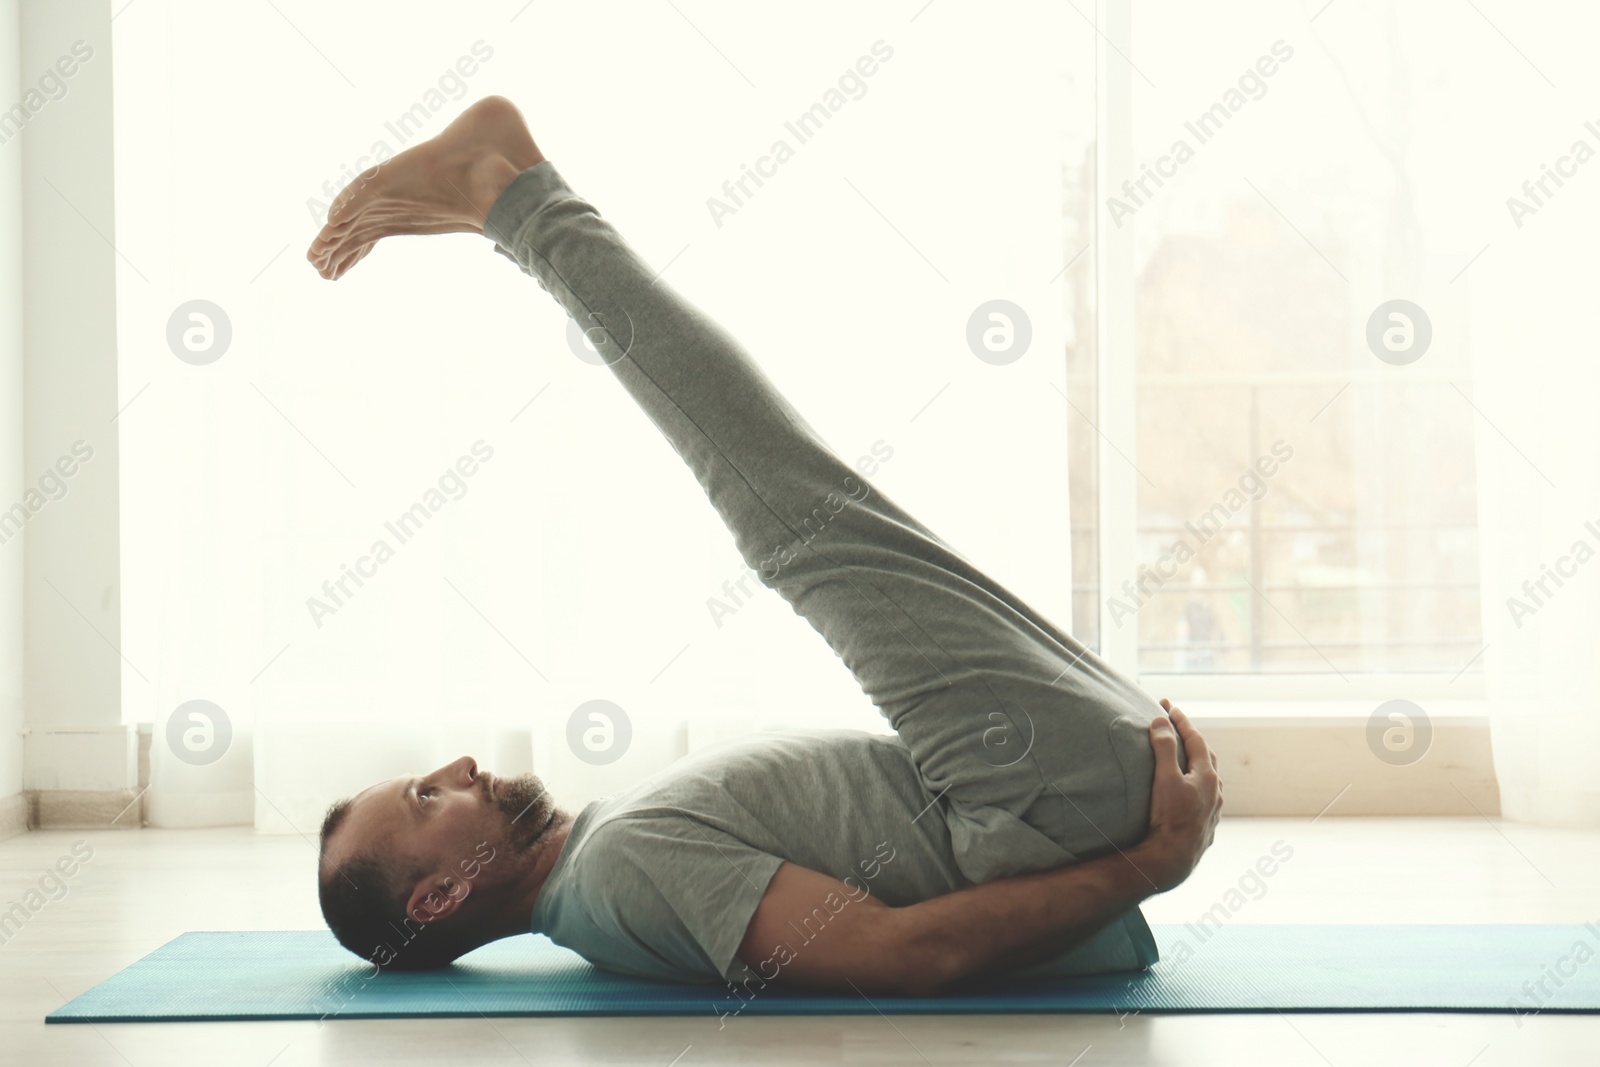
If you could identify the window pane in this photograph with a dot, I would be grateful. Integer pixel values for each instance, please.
(1306, 500)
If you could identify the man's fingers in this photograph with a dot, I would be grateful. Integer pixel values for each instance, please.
(1164, 742)
(1195, 745)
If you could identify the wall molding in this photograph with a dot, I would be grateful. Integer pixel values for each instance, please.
(87, 809)
(16, 815)
(1328, 768)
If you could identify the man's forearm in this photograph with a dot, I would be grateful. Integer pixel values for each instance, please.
(1025, 919)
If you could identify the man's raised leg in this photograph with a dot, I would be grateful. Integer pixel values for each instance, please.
(1034, 750)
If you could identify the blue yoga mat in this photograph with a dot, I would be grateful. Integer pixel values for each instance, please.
(304, 974)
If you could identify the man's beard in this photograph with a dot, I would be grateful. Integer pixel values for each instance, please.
(528, 808)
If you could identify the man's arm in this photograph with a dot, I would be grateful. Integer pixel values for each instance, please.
(925, 948)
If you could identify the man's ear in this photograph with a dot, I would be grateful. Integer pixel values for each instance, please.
(437, 897)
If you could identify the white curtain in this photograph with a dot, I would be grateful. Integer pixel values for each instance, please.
(1538, 387)
(577, 561)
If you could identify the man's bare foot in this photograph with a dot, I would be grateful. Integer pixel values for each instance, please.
(444, 185)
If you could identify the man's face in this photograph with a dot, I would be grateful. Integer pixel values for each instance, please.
(457, 823)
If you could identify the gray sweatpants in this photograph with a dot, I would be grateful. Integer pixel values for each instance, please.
(1038, 752)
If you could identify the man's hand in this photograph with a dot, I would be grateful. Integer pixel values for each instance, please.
(1184, 805)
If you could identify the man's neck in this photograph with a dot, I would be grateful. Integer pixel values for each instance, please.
(512, 913)
(546, 854)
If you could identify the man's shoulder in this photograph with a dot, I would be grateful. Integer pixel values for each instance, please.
(615, 861)
(658, 854)
(632, 834)
(615, 834)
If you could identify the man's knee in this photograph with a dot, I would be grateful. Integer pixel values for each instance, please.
(1102, 802)
(1130, 740)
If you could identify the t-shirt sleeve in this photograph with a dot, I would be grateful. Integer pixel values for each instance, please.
(668, 896)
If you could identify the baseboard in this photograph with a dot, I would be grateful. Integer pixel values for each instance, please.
(16, 812)
(70, 809)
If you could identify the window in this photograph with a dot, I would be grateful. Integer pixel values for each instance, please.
(1273, 464)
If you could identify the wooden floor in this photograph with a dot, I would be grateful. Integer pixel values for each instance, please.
(144, 887)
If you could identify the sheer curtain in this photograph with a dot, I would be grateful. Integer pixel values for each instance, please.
(1538, 443)
(1532, 330)
(563, 554)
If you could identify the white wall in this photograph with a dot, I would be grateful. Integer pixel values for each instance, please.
(586, 541)
(11, 446)
(73, 673)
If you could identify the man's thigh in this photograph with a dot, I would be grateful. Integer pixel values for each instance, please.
(1037, 762)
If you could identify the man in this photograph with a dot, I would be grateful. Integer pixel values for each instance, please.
(1028, 801)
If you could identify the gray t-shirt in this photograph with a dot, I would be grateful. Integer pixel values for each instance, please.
(661, 881)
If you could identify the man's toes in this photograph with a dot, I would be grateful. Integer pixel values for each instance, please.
(350, 261)
(323, 253)
(325, 257)
(324, 244)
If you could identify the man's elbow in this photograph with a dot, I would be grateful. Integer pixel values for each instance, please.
(925, 964)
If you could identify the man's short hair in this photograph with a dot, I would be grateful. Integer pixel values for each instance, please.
(364, 903)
